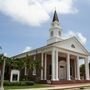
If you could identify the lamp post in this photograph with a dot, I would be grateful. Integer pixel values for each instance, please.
(2, 74)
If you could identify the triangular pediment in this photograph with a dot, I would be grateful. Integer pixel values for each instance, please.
(72, 44)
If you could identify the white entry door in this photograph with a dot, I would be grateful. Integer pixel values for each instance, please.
(62, 70)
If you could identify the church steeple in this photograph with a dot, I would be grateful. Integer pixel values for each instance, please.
(55, 17)
(55, 30)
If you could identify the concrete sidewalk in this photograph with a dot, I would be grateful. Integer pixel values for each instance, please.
(64, 86)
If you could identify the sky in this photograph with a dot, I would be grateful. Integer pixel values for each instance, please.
(24, 24)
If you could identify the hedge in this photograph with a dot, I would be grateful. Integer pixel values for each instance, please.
(21, 83)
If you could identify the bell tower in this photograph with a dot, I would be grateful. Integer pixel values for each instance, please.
(55, 31)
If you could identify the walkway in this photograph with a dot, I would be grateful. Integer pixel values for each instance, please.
(64, 86)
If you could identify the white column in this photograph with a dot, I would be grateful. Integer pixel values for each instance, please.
(45, 72)
(53, 64)
(42, 66)
(78, 69)
(86, 68)
(18, 78)
(57, 66)
(68, 67)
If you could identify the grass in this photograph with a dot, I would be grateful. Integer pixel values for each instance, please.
(42, 86)
(26, 87)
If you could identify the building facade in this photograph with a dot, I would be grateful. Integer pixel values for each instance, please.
(60, 57)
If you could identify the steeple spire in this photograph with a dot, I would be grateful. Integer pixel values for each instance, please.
(55, 17)
(55, 31)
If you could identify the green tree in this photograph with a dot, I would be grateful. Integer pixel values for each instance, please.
(82, 70)
(31, 64)
(20, 63)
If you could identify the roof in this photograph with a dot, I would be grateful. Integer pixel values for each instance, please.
(73, 37)
(55, 17)
(51, 45)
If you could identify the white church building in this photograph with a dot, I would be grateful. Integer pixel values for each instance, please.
(60, 57)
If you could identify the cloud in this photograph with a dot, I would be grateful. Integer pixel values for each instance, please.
(78, 35)
(62, 6)
(35, 12)
(82, 39)
(27, 49)
(25, 11)
(5, 54)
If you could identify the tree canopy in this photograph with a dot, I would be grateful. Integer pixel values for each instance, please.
(82, 69)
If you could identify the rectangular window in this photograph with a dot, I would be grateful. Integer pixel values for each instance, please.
(34, 57)
(15, 76)
(25, 71)
(61, 66)
(34, 69)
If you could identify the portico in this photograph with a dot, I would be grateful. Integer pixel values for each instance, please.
(64, 65)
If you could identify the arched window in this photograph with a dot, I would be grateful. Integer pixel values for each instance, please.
(72, 46)
(59, 33)
(51, 33)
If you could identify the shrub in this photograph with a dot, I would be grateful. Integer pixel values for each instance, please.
(29, 83)
(6, 83)
(21, 83)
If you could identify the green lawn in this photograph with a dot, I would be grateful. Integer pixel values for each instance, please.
(41, 86)
(25, 87)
